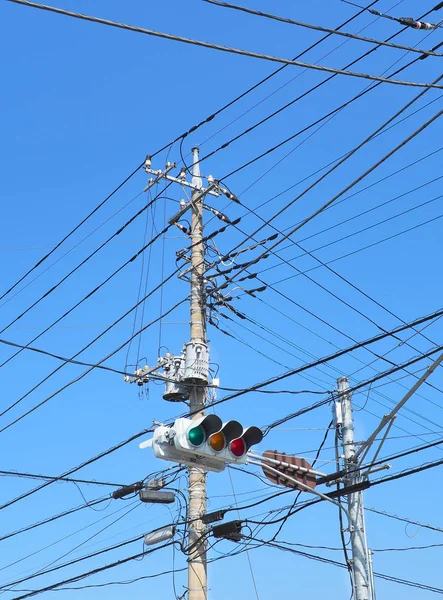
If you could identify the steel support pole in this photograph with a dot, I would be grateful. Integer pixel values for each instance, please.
(361, 564)
(197, 575)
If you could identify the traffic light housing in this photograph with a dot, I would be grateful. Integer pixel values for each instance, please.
(206, 442)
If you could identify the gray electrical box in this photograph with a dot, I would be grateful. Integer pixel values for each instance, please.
(196, 362)
(174, 371)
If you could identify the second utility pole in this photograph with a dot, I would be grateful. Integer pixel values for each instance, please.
(197, 576)
(361, 560)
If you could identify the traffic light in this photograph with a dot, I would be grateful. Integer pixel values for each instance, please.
(206, 442)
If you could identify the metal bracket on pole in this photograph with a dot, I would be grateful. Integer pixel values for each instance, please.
(142, 375)
(159, 175)
(377, 452)
(212, 190)
(387, 418)
(202, 192)
(301, 485)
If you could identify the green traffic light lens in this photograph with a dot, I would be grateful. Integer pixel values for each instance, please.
(196, 436)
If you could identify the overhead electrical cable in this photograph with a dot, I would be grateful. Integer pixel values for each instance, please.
(77, 468)
(78, 378)
(330, 561)
(258, 84)
(68, 235)
(409, 22)
(66, 537)
(144, 328)
(73, 561)
(327, 289)
(65, 513)
(342, 352)
(85, 260)
(356, 193)
(94, 571)
(346, 34)
(197, 126)
(279, 69)
(369, 210)
(352, 252)
(221, 48)
(404, 519)
(323, 119)
(362, 176)
(4, 473)
(62, 358)
(56, 517)
(132, 507)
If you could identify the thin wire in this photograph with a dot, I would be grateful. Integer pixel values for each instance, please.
(162, 274)
(348, 35)
(247, 553)
(221, 48)
(142, 268)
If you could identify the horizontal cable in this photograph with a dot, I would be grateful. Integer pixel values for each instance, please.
(221, 48)
(346, 34)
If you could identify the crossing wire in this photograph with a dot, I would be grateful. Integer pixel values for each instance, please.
(346, 34)
(221, 48)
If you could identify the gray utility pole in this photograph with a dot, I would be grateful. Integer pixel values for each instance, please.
(361, 560)
(197, 574)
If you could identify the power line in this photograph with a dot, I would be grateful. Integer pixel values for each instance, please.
(256, 85)
(330, 561)
(323, 119)
(404, 519)
(340, 353)
(72, 562)
(326, 289)
(62, 358)
(365, 212)
(414, 24)
(221, 48)
(144, 328)
(59, 478)
(68, 235)
(305, 51)
(65, 513)
(84, 261)
(371, 185)
(351, 253)
(368, 171)
(77, 468)
(79, 377)
(348, 35)
(94, 571)
(75, 532)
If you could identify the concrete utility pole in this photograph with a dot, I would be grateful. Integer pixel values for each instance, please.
(197, 575)
(361, 560)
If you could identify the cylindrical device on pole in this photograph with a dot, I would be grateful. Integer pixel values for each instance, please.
(197, 576)
(361, 566)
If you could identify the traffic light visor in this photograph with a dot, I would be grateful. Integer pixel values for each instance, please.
(219, 440)
(251, 435)
(202, 428)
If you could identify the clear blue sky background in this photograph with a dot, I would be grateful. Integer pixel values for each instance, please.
(82, 105)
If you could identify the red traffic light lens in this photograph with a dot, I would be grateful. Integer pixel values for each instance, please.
(238, 447)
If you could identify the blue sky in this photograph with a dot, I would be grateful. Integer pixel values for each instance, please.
(82, 105)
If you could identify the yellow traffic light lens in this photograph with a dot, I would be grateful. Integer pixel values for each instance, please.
(217, 441)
